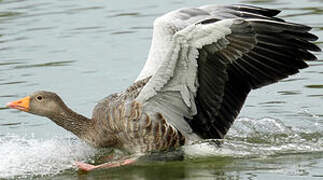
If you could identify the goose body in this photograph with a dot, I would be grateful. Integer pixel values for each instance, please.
(202, 64)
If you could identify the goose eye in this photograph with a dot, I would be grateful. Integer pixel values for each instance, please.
(39, 98)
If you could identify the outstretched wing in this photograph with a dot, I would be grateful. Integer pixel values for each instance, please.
(204, 61)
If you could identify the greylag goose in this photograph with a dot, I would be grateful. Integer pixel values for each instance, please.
(202, 64)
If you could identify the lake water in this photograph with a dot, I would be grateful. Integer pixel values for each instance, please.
(87, 49)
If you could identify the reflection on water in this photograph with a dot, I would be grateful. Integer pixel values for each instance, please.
(86, 50)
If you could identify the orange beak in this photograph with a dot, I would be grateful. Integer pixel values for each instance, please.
(21, 104)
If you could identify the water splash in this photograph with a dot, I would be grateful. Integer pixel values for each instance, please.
(260, 138)
(29, 157)
(26, 157)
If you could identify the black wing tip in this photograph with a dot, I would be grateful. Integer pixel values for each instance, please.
(311, 37)
(314, 38)
(315, 48)
(310, 57)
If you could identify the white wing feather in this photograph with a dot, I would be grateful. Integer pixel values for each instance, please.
(181, 56)
(173, 85)
(242, 48)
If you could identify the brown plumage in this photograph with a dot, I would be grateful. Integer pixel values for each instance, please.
(127, 127)
(202, 64)
(118, 121)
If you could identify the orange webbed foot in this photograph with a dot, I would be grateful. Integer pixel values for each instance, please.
(88, 167)
(85, 167)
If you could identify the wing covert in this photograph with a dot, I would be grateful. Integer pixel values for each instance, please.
(209, 58)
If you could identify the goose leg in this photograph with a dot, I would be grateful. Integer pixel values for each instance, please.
(88, 167)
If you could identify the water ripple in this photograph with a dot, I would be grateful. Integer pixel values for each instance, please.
(315, 86)
(4, 108)
(263, 2)
(273, 102)
(294, 92)
(10, 63)
(78, 10)
(10, 124)
(13, 82)
(55, 63)
(9, 14)
(40, 28)
(89, 28)
(308, 11)
(123, 32)
(126, 14)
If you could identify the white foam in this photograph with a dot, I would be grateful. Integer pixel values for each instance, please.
(260, 138)
(28, 157)
(25, 157)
